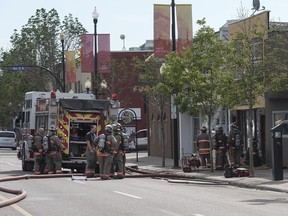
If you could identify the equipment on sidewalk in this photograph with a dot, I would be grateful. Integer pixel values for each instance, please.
(190, 163)
(231, 172)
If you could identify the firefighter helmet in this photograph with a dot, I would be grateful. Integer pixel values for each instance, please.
(115, 127)
(234, 127)
(119, 127)
(108, 129)
(52, 128)
(203, 129)
(219, 130)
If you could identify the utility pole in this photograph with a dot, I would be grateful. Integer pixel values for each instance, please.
(175, 119)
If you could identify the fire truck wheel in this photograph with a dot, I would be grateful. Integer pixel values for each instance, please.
(27, 166)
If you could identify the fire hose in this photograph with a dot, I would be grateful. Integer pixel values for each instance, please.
(141, 174)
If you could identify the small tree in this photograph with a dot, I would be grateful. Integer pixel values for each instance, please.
(157, 94)
(200, 77)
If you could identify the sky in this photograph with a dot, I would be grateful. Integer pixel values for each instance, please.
(133, 18)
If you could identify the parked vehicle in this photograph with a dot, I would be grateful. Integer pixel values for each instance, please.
(142, 140)
(72, 114)
(8, 139)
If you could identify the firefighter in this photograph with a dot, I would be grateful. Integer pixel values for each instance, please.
(234, 145)
(53, 156)
(38, 151)
(105, 143)
(220, 145)
(91, 156)
(203, 147)
(119, 152)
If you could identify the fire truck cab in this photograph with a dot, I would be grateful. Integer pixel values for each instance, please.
(72, 114)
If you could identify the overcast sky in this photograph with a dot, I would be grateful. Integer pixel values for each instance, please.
(133, 18)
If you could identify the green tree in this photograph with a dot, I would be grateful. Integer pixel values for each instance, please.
(37, 44)
(200, 77)
(259, 65)
(157, 93)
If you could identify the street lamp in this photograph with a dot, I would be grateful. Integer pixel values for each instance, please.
(95, 16)
(63, 60)
(175, 118)
(103, 84)
(87, 85)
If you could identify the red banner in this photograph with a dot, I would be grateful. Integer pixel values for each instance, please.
(103, 55)
(184, 26)
(70, 67)
(87, 62)
(161, 30)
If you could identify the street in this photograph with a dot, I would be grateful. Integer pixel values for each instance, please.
(132, 196)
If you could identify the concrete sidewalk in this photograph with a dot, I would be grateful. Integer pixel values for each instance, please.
(263, 179)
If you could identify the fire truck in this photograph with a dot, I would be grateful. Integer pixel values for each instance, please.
(72, 114)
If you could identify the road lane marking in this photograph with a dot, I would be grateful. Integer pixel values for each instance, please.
(17, 208)
(10, 163)
(77, 181)
(198, 215)
(169, 213)
(129, 195)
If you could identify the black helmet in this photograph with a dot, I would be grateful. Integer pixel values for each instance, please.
(203, 129)
(119, 127)
(219, 129)
(234, 127)
(52, 128)
(108, 129)
(115, 127)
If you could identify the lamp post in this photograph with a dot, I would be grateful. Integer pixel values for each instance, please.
(63, 61)
(95, 16)
(175, 118)
(87, 85)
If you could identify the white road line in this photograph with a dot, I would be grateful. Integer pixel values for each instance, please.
(10, 163)
(17, 208)
(198, 215)
(129, 195)
(169, 213)
(77, 181)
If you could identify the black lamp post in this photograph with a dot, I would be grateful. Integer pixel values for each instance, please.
(175, 120)
(95, 16)
(63, 61)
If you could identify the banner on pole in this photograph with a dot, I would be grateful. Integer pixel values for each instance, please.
(161, 30)
(87, 64)
(103, 55)
(70, 67)
(184, 26)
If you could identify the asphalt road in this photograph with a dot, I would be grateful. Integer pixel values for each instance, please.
(133, 196)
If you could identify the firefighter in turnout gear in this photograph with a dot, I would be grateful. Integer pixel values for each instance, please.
(119, 152)
(91, 156)
(235, 146)
(203, 147)
(220, 145)
(105, 143)
(53, 156)
(38, 151)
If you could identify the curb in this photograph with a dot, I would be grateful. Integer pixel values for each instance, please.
(248, 185)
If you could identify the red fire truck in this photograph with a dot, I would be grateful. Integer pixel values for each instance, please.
(71, 113)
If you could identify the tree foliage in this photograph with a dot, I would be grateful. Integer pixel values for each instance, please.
(37, 43)
(200, 77)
